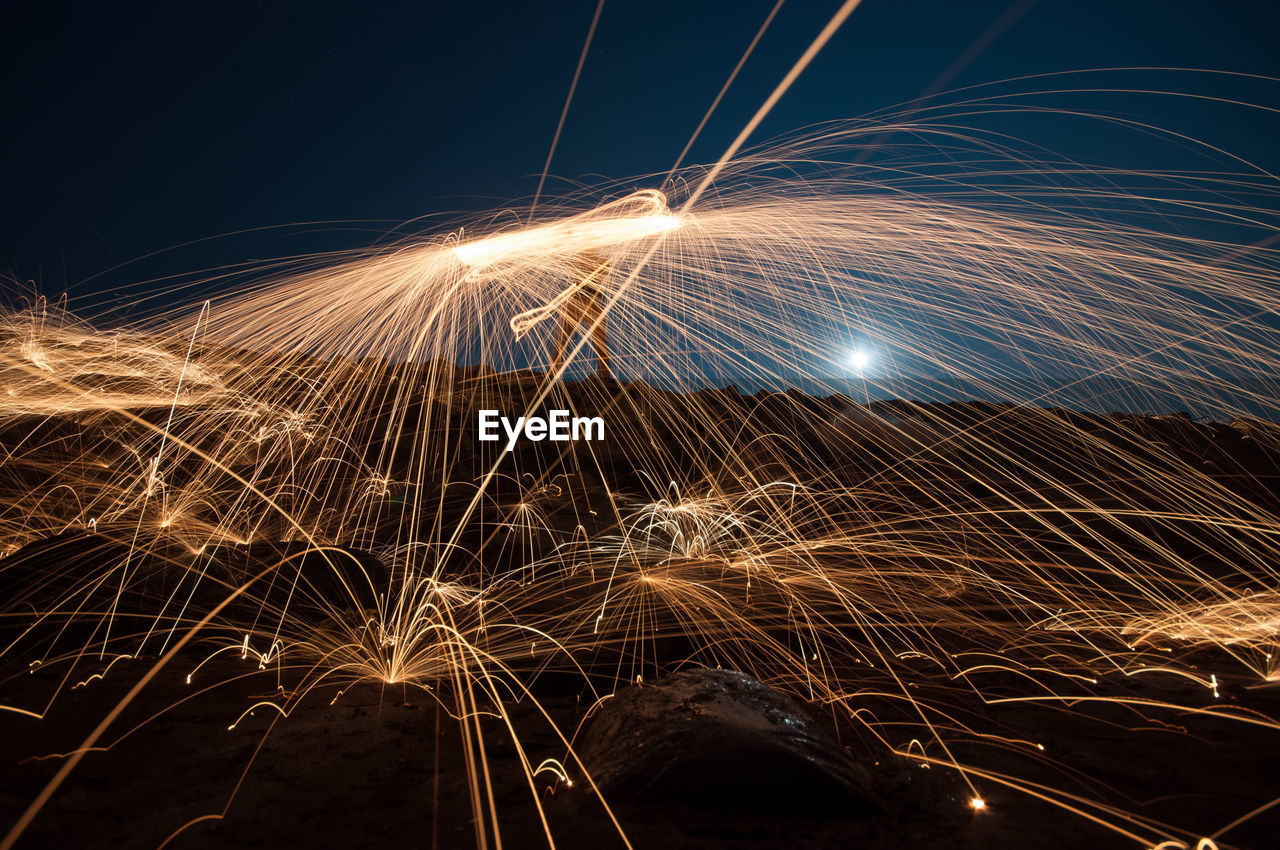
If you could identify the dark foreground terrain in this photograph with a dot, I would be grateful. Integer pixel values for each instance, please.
(379, 765)
(374, 770)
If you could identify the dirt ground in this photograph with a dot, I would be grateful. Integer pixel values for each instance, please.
(373, 766)
(372, 769)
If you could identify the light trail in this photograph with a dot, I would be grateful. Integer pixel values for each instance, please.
(898, 563)
(564, 113)
(607, 227)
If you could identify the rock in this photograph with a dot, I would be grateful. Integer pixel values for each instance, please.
(720, 738)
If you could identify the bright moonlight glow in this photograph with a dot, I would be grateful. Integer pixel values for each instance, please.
(859, 359)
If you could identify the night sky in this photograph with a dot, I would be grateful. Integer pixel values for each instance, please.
(135, 128)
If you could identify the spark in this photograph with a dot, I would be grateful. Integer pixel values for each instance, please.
(606, 227)
(897, 564)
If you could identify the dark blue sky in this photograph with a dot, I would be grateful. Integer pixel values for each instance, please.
(135, 128)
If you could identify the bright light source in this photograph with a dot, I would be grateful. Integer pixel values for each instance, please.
(859, 359)
(978, 804)
(568, 238)
(639, 215)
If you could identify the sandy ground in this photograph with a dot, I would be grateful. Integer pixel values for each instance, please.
(373, 767)
(372, 770)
